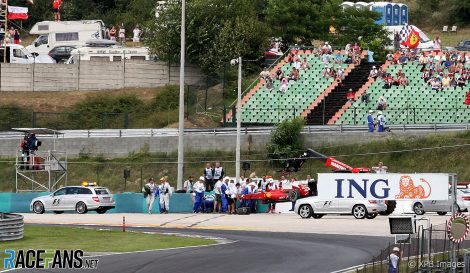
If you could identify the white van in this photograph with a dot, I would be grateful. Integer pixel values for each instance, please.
(52, 34)
(424, 44)
(18, 54)
(109, 54)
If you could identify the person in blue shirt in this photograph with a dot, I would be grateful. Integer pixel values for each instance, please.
(371, 121)
(381, 122)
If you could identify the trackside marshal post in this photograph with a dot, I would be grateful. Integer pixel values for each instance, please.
(367, 186)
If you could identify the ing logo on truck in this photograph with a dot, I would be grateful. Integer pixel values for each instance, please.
(408, 190)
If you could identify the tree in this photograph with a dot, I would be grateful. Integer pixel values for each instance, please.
(216, 31)
(286, 141)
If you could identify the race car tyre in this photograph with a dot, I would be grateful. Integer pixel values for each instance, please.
(442, 213)
(359, 211)
(101, 211)
(81, 208)
(38, 207)
(58, 211)
(371, 215)
(391, 205)
(418, 208)
(294, 195)
(317, 216)
(305, 211)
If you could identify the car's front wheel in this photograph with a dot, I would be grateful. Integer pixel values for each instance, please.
(371, 215)
(81, 207)
(305, 211)
(359, 211)
(101, 211)
(294, 195)
(418, 208)
(38, 207)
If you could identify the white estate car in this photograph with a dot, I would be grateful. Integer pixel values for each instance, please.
(442, 207)
(74, 198)
(317, 208)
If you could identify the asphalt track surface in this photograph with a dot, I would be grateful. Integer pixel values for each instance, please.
(247, 251)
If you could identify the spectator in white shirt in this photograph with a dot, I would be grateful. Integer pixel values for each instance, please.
(381, 169)
(136, 38)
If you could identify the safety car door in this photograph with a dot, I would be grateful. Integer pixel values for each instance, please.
(325, 206)
(57, 200)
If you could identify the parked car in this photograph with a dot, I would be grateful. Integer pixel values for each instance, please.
(463, 46)
(61, 53)
(442, 207)
(317, 208)
(75, 198)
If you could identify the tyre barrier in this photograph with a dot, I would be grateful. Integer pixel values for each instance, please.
(11, 227)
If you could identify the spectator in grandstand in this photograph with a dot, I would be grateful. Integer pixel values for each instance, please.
(461, 81)
(373, 73)
(305, 64)
(209, 176)
(446, 81)
(403, 59)
(338, 58)
(365, 98)
(279, 74)
(402, 80)
(136, 39)
(435, 84)
(388, 81)
(381, 122)
(389, 57)
(56, 6)
(371, 121)
(453, 82)
(350, 95)
(122, 34)
(264, 74)
(467, 98)
(423, 59)
(289, 58)
(356, 48)
(11, 33)
(349, 58)
(340, 75)
(437, 45)
(269, 84)
(326, 48)
(326, 58)
(284, 85)
(380, 168)
(112, 33)
(294, 74)
(381, 104)
(325, 71)
(16, 37)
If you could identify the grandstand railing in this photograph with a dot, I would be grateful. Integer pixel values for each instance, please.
(313, 129)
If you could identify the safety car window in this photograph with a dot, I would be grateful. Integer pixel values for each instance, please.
(60, 192)
(101, 191)
(84, 191)
(72, 190)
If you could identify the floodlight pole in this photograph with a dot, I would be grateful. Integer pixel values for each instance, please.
(239, 120)
(179, 181)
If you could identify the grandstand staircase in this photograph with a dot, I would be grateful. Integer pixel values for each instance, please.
(336, 99)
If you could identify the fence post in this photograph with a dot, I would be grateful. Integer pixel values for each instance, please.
(126, 120)
(33, 120)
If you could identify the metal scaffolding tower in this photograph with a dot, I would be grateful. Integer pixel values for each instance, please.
(3, 27)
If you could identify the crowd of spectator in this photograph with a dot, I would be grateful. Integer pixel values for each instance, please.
(119, 34)
(10, 36)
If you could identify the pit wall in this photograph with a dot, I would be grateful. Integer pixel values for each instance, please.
(125, 203)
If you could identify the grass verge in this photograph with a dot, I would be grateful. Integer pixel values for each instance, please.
(94, 240)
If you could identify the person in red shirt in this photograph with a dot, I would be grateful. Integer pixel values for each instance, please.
(467, 98)
(56, 5)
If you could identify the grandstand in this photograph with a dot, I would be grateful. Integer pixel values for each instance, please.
(416, 103)
(321, 101)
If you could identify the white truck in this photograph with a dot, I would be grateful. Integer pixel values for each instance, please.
(18, 54)
(75, 33)
(109, 54)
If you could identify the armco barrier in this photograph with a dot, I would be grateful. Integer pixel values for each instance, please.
(11, 227)
(125, 203)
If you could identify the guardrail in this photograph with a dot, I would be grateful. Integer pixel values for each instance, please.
(11, 227)
(105, 133)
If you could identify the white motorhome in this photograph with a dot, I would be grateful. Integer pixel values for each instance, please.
(52, 34)
(109, 54)
(17, 54)
(425, 43)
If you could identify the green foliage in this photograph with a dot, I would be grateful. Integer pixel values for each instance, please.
(167, 98)
(216, 32)
(286, 140)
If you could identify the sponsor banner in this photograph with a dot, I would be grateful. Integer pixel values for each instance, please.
(392, 186)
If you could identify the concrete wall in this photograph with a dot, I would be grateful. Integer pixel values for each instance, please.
(92, 75)
(115, 147)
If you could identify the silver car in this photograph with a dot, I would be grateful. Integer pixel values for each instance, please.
(442, 207)
(74, 198)
(317, 208)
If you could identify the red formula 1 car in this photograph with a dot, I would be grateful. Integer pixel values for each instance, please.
(281, 195)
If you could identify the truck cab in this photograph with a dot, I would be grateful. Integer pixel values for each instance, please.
(17, 54)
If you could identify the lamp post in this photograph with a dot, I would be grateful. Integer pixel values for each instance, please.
(179, 181)
(239, 117)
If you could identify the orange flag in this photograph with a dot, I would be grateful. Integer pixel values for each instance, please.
(413, 39)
